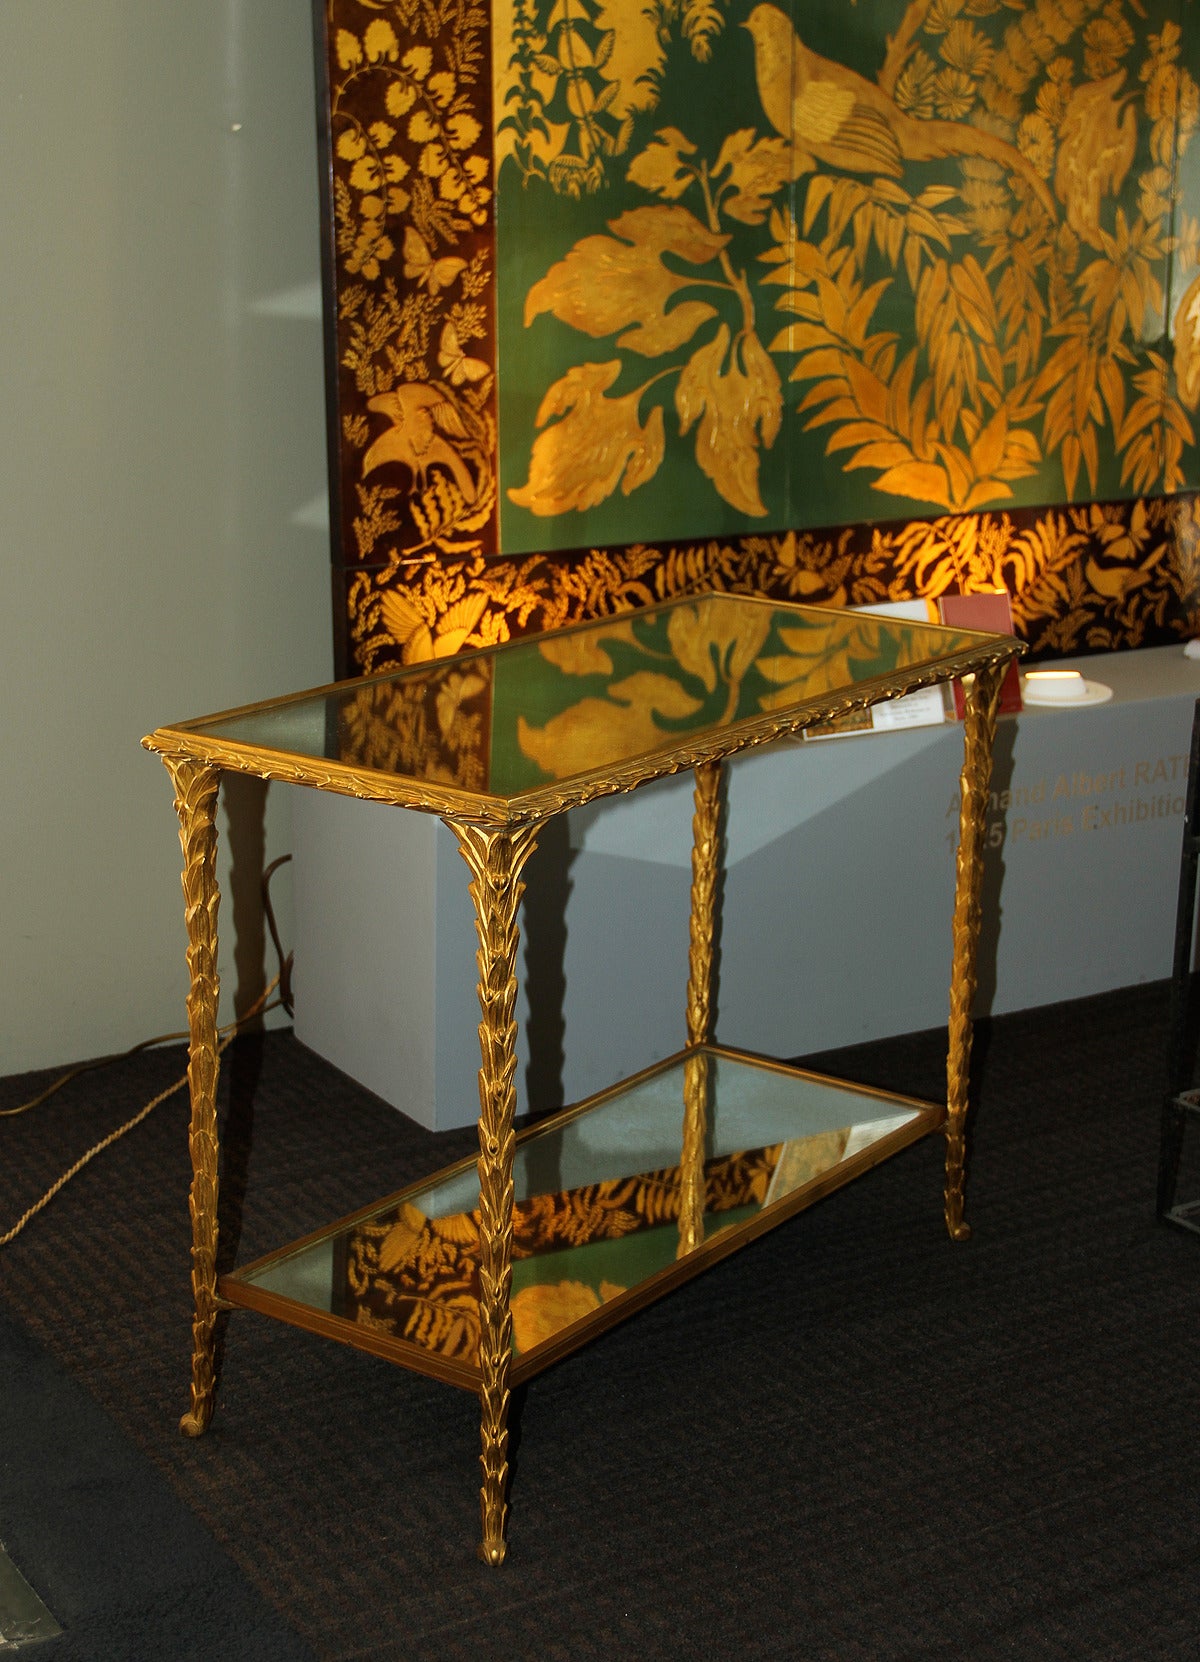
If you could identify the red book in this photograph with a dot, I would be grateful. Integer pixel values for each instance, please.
(990, 611)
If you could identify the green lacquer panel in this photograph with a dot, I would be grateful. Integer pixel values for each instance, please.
(766, 267)
(844, 301)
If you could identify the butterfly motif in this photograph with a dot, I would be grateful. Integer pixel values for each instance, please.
(455, 363)
(421, 267)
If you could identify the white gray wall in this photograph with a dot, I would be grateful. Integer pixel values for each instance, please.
(163, 541)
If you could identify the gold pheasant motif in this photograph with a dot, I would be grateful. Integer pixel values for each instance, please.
(836, 118)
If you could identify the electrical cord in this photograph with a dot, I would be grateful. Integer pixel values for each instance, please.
(286, 960)
(282, 981)
(229, 1033)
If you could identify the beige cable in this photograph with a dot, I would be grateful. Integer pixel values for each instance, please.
(260, 1006)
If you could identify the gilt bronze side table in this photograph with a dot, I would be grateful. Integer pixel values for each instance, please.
(483, 1275)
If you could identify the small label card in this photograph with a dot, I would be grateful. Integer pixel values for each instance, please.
(919, 709)
(926, 708)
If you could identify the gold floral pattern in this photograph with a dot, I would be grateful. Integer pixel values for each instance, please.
(410, 205)
(417, 1277)
(1091, 577)
(434, 727)
(1009, 174)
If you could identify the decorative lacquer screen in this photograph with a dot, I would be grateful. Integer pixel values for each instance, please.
(831, 301)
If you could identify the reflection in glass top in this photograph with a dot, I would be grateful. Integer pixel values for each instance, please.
(556, 706)
(597, 1205)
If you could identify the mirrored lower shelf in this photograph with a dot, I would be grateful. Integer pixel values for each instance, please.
(596, 1214)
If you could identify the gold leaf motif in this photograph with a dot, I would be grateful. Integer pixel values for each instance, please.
(541, 1311)
(757, 170)
(920, 481)
(459, 728)
(380, 41)
(464, 131)
(584, 654)
(1187, 346)
(659, 167)
(1067, 99)
(624, 723)
(823, 664)
(721, 653)
(400, 98)
(737, 406)
(422, 129)
(364, 175)
(349, 49)
(620, 282)
(598, 444)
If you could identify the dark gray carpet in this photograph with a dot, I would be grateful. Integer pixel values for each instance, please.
(121, 1562)
(853, 1441)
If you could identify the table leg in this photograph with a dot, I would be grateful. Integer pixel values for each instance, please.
(979, 727)
(706, 854)
(195, 803)
(496, 859)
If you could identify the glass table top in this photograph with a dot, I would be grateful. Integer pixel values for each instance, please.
(596, 1205)
(537, 714)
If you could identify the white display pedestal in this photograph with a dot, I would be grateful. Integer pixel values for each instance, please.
(1084, 836)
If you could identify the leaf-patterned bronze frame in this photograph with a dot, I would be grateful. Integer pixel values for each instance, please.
(496, 835)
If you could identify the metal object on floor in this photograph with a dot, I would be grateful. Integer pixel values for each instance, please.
(1182, 1100)
(24, 1619)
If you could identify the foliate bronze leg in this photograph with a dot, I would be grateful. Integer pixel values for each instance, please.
(496, 859)
(706, 853)
(982, 701)
(691, 1166)
(195, 802)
